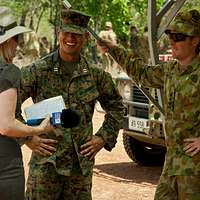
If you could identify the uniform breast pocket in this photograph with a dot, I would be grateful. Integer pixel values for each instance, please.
(188, 86)
(50, 85)
(86, 102)
(186, 99)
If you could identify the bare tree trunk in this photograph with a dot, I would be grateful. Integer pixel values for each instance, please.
(31, 23)
(22, 20)
(39, 19)
(56, 21)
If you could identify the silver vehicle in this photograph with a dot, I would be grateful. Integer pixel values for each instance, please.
(143, 135)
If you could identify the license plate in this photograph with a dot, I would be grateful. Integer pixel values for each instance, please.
(137, 124)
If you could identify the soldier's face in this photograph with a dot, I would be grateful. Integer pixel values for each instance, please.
(183, 49)
(71, 43)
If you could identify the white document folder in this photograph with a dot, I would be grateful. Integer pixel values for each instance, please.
(45, 107)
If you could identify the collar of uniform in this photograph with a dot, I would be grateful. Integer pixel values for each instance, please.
(55, 56)
(82, 68)
(194, 65)
(196, 62)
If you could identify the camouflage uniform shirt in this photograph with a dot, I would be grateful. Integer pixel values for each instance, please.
(48, 78)
(181, 105)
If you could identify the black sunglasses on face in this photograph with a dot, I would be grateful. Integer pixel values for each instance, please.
(177, 37)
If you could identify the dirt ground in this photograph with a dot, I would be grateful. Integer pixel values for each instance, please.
(116, 177)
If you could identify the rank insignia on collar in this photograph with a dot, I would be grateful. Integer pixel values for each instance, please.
(85, 70)
(55, 69)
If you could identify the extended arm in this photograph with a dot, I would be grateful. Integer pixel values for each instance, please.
(134, 66)
(10, 126)
(111, 102)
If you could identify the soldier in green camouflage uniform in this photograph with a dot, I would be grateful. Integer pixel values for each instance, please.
(180, 81)
(67, 173)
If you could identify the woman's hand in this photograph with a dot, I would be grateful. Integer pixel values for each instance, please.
(45, 126)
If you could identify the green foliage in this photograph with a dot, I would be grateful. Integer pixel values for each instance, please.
(116, 11)
(192, 5)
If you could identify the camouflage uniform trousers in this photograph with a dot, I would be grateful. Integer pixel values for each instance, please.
(44, 183)
(178, 188)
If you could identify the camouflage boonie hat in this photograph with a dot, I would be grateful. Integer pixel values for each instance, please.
(74, 21)
(187, 23)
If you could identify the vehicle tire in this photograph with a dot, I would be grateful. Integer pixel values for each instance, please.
(143, 153)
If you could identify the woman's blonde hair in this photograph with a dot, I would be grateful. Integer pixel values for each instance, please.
(7, 50)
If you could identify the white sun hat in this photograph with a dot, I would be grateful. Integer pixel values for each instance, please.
(8, 25)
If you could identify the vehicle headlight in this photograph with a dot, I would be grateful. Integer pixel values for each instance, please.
(127, 92)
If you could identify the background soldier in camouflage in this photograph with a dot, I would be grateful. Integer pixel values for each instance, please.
(108, 33)
(180, 81)
(143, 46)
(67, 173)
(133, 42)
(107, 61)
(44, 46)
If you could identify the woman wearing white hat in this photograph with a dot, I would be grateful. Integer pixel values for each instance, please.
(11, 165)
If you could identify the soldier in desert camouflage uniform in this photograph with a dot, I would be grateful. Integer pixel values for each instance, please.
(108, 34)
(180, 81)
(67, 173)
